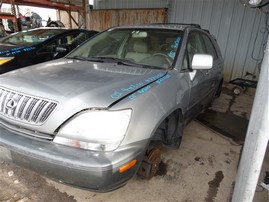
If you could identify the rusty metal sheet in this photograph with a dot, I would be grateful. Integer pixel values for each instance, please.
(104, 19)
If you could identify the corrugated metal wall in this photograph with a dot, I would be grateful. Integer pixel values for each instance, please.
(240, 31)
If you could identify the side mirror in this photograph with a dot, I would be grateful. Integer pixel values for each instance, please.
(202, 61)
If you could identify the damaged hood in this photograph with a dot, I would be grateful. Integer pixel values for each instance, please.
(77, 85)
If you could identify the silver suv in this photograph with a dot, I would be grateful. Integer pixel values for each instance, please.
(89, 119)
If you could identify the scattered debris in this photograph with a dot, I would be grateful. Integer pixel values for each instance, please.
(10, 173)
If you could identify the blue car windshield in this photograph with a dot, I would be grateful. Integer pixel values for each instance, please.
(141, 46)
(31, 37)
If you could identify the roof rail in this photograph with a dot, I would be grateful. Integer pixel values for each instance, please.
(206, 30)
(189, 24)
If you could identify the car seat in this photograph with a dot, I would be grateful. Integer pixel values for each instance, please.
(139, 51)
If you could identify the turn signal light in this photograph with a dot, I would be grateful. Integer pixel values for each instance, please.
(127, 166)
(4, 60)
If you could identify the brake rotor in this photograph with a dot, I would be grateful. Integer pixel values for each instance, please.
(150, 164)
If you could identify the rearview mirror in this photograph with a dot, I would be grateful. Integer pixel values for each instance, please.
(202, 61)
(139, 34)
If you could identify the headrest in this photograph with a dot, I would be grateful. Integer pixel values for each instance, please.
(140, 47)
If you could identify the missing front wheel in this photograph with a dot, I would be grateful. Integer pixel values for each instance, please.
(150, 164)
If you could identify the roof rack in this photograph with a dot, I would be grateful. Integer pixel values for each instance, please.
(189, 24)
(206, 30)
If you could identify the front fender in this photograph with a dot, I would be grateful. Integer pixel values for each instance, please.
(153, 103)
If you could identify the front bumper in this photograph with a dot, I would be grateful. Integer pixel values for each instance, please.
(97, 171)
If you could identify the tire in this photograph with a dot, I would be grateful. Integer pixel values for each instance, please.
(53, 24)
(237, 90)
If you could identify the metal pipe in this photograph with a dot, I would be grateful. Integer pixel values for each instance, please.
(256, 139)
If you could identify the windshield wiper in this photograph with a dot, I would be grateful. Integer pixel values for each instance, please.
(76, 57)
(84, 58)
(119, 61)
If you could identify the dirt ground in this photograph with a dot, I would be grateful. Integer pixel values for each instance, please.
(202, 169)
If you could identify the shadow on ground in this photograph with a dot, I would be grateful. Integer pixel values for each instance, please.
(226, 121)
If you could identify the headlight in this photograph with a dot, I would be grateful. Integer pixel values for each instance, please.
(99, 130)
(4, 60)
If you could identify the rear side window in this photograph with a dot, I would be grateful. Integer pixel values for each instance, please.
(210, 47)
(31, 37)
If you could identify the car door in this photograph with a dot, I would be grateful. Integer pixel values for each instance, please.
(216, 71)
(199, 79)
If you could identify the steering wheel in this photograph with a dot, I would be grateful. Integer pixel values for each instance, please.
(168, 60)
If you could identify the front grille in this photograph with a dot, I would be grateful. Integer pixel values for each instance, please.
(25, 108)
(26, 132)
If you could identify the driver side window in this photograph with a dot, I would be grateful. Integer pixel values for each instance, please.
(64, 40)
(185, 64)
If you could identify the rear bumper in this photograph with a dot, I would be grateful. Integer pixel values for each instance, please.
(97, 171)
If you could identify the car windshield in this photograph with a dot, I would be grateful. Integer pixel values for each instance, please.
(31, 37)
(153, 48)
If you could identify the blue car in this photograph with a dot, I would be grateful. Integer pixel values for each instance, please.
(39, 45)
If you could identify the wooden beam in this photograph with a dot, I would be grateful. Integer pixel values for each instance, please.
(47, 4)
(8, 16)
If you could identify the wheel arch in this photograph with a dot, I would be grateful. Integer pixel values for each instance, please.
(169, 128)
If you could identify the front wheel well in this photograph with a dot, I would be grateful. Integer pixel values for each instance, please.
(170, 130)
